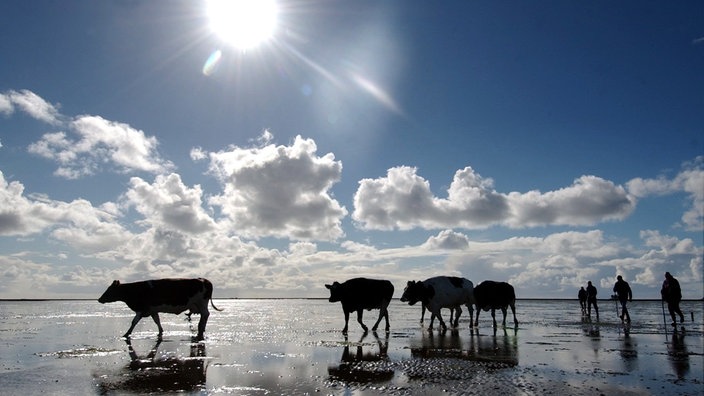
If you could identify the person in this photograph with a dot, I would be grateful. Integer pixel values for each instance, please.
(672, 293)
(582, 295)
(591, 300)
(623, 290)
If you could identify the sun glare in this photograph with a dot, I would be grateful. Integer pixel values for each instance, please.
(243, 24)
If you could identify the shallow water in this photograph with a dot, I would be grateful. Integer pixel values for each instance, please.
(263, 347)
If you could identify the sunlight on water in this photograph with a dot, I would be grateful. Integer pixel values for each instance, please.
(295, 347)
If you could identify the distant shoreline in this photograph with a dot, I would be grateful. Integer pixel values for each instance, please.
(317, 298)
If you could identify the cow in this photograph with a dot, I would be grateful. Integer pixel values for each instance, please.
(148, 298)
(492, 295)
(441, 292)
(359, 294)
(423, 309)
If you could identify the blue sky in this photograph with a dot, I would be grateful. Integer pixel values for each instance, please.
(544, 145)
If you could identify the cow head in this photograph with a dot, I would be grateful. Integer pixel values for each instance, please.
(415, 291)
(111, 294)
(335, 292)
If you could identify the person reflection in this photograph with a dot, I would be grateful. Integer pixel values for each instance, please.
(589, 328)
(361, 366)
(629, 351)
(157, 374)
(678, 355)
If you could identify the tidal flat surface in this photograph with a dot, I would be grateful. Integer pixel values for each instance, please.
(272, 347)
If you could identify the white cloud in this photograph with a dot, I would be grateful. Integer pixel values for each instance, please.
(100, 141)
(448, 240)
(76, 223)
(279, 191)
(89, 143)
(168, 204)
(403, 200)
(6, 107)
(21, 216)
(689, 180)
(31, 104)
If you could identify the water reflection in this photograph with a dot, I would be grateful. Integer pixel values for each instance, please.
(629, 350)
(590, 329)
(678, 355)
(496, 348)
(152, 373)
(364, 366)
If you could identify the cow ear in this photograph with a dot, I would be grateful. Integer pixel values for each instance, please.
(328, 286)
(115, 283)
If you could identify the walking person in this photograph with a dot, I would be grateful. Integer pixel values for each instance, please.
(591, 300)
(623, 290)
(672, 293)
(582, 295)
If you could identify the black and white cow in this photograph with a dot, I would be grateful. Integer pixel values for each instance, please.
(148, 298)
(492, 295)
(359, 294)
(441, 292)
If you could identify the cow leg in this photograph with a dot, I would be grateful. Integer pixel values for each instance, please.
(422, 313)
(476, 321)
(471, 314)
(347, 319)
(155, 316)
(503, 311)
(439, 316)
(136, 320)
(458, 313)
(383, 313)
(359, 319)
(204, 314)
(513, 311)
(493, 316)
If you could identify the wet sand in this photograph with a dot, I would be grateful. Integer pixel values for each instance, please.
(263, 347)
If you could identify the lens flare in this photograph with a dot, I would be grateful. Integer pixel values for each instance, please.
(211, 65)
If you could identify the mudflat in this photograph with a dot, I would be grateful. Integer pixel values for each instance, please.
(262, 347)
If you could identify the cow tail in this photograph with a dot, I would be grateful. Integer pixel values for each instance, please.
(209, 294)
(213, 305)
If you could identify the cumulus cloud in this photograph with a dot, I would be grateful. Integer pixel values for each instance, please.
(99, 141)
(689, 180)
(403, 200)
(31, 104)
(19, 215)
(169, 204)
(279, 191)
(448, 240)
(78, 223)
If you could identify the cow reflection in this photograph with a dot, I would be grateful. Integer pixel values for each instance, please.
(499, 347)
(678, 355)
(154, 374)
(361, 366)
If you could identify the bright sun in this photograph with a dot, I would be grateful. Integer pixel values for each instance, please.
(243, 23)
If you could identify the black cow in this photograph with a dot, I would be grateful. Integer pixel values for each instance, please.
(492, 295)
(359, 294)
(148, 298)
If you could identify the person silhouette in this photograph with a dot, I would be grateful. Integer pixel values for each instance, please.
(591, 300)
(623, 290)
(672, 294)
(582, 295)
